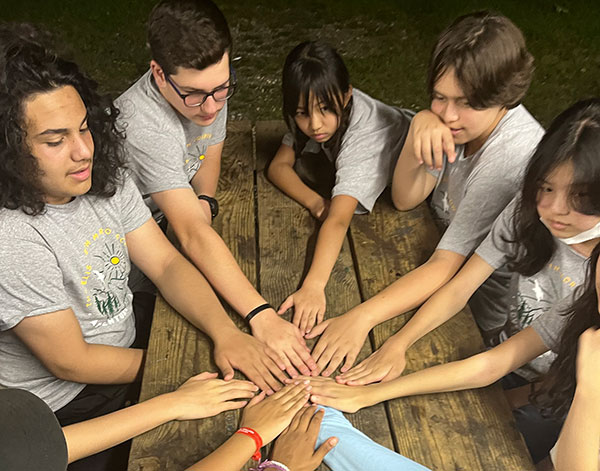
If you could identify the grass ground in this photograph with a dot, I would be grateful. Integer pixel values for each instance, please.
(385, 43)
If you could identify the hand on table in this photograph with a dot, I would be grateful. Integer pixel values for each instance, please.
(260, 364)
(341, 337)
(431, 139)
(309, 307)
(284, 338)
(295, 447)
(383, 365)
(270, 416)
(204, 396)
(326, 392)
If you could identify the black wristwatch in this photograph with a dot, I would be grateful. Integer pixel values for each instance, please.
(212, 203)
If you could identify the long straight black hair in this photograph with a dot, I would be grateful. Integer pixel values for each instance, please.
(573, 137)
(314, 69)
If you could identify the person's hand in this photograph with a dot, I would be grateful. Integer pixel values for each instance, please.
(260, 364)
(431, 139)
(270, 416)
(204, 396)
(284, 338)
(341, 337)
(295, 447)
(320, 208)
(309, 306)
(326, 392)
(383, 365)
(588, 359)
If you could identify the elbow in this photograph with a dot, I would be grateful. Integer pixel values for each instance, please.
(484, 370)
(401, 204)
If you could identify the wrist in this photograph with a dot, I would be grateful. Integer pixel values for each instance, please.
(312, 282)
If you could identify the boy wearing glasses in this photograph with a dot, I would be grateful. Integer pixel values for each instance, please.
(174, 118)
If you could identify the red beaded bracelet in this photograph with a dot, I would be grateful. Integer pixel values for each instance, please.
(257, 439)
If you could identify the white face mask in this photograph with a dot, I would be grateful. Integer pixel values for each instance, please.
(584, 236)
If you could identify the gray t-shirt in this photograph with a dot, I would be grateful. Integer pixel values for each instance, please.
(472, 191)
(72, 256)
(533, 295)
(550, 325)
(163, 148)
(368, 151)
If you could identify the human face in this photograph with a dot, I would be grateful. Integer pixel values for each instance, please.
(59, 138)
(467, 125)
(318, 122)
(554, 207)
(194, 80)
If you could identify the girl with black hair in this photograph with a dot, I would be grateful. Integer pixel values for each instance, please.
(360, 136)
(546, 236)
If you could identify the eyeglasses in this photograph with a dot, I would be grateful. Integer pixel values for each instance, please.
(199, 98)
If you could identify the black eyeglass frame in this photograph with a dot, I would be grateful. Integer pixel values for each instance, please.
(230, 90)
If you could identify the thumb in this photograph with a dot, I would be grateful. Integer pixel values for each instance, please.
(225, 367)
(325, 448)
(287, 304)
(318, 329)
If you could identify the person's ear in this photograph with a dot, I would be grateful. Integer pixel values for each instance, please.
(158, 73)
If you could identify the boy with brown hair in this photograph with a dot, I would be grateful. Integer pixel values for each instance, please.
(468, 152)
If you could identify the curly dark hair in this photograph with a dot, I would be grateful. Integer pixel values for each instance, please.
(187, 33)
(489, 57)
(27, 67)
(573, 136)
(314, 68)
(556, 393)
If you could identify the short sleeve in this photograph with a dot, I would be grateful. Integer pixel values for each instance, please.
(365, 161)
(35, 285)
(489, 189)
(550, 325)
(288, 139)
(134, 213)
(496, 250)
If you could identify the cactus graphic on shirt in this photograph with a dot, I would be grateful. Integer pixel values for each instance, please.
(445, 203)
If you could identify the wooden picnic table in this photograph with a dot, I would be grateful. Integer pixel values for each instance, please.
(270, 236)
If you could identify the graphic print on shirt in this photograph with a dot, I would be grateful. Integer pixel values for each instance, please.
(537, 294)
(195, 153)
(106, 275)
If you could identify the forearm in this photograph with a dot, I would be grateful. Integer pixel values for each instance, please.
(329, 243)
(230, 456)
(212, 257)
(95, 435)
(177, 282)
(577, 446)
(409, 291)
(101, 364)
(287, 180)
(473, 372)
(411, 183)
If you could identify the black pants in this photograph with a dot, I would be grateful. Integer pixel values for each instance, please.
(539, 431)
(96, 400)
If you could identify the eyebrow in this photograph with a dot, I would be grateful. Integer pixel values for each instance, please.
(197, 90)
(60, 130)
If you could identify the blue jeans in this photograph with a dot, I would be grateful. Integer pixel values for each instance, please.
(357, 452)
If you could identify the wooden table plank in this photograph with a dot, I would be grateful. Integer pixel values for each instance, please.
(284, 231)
(467, 430)
(177, 350)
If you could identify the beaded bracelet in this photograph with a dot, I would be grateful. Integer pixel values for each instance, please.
(253, 434)
(256, 310)
(271, 464)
